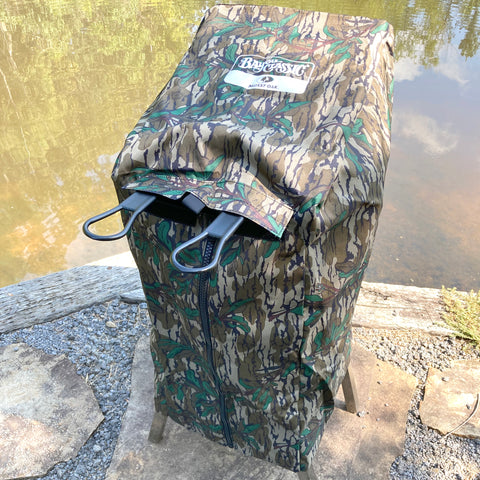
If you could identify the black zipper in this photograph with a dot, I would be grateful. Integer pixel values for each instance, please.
(204, 280)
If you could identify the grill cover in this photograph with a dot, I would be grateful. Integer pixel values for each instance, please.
(283, 117)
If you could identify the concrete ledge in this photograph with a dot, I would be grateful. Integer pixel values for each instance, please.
(381, 305)
(59, 294)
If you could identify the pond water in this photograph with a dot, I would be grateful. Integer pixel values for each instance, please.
(75, 76)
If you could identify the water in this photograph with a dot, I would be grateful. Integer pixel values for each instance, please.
(75, 76)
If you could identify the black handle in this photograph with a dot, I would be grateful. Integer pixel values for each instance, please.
(222, 228)
(137, 203)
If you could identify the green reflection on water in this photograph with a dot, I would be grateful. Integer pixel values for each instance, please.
(75, 75)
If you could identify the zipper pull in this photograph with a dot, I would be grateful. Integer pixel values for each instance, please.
(222, 228)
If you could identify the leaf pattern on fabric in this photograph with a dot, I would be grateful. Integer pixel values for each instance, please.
(308, 170)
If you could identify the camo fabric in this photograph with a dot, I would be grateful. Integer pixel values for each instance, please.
(283, 117)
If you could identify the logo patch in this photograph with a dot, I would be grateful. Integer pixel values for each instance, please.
(273, 73)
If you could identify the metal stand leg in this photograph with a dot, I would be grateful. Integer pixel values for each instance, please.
(350, 392)
(157, 428)
(308, 475)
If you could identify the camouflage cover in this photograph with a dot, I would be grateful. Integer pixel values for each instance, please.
(283, 117)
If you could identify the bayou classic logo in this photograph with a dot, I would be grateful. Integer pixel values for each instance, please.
(275, 73)
(273, 65)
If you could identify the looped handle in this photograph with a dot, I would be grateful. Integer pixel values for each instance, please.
(137, 203)
(222, 228)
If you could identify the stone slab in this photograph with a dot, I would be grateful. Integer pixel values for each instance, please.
(47, 411)
(182, 454)
(381, 305)
(59, 294)
(53, 296)
(400, 307)
(354, 447)
(450, 398)
(357, 447)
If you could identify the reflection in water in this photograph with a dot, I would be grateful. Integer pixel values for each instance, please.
(452, 66)
(76, 76)
(433, 137)
(429, 233)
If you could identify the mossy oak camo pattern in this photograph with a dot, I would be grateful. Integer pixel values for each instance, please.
(309, 169)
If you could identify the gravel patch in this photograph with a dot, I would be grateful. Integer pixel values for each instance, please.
(101, 340)
(427, 454)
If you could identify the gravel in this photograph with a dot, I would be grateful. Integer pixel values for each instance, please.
(427, 454)
(100, 341)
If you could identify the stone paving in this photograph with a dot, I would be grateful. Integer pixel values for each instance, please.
(47, 411)
(451, 397)
(354, 447)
